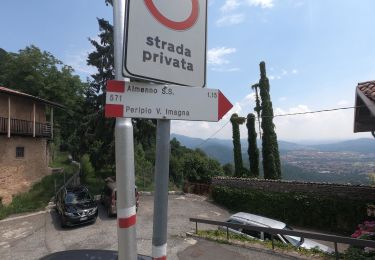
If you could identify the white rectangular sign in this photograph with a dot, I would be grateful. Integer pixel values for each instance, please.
(165, 41)
(144, 100)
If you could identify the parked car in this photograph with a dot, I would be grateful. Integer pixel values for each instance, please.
(76, 206)
(259, 221)
(109, 196)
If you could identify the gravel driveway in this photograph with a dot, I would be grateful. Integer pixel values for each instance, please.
(37, 235)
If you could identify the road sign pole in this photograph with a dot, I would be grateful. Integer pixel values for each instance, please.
(159, 238)
(126, 210)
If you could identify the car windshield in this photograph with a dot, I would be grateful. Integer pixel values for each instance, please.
(295, 241)
(77, 197)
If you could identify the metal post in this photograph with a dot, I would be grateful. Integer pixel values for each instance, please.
(159, 238)
(273, 245)
(126, 210)
(51, 122)
(336, 251)
(9, 114)
(34, 119)
(227, 233)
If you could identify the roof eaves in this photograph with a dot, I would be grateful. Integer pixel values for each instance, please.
(368, 102)
(21, 94)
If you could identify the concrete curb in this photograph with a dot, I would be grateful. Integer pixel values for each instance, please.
(258, 247)
(23, 216)
(150, 193)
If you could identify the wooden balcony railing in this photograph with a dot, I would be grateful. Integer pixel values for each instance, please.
(25, 128)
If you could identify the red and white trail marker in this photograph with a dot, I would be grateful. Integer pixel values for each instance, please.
(155, 101)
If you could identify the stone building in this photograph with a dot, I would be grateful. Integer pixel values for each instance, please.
(25, 134)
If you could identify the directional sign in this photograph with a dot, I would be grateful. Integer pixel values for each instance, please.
(155, 101)
(165, 41)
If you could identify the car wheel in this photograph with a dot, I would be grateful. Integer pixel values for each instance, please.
(63, 221)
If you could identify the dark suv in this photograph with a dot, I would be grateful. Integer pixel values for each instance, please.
(109, 196)
(76, 206)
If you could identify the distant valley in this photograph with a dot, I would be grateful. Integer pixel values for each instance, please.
(341, 162)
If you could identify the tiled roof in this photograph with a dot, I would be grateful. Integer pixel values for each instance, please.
(21, 94)
(368, 89)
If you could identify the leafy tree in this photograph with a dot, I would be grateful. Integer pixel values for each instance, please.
(144, 170)
(86, 167)
(238, 164)
(199, 168)
(228, 169)
(176, 172)
(270, 149)
(191, 165)
(39, 73)
(98, 130)
(252, 150)
(4, 61)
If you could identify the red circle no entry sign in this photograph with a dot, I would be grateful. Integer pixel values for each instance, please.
(179, 26)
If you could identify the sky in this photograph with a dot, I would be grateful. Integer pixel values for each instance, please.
(316, 51)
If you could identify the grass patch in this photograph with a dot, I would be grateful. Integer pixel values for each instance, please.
(220, 236)
(35, 199)
(358, 254)
(41, 192)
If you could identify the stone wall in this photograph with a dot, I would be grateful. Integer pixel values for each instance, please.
(18, 174)
(323, 189)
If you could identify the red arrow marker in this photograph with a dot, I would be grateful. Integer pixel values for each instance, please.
(223, 106)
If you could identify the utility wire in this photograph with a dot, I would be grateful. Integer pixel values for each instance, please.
(213, 134)
(314, 112)
(282, 115)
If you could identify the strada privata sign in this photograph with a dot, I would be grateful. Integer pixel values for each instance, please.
(165, 41)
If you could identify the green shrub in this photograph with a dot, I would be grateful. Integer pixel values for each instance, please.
(41, 192)
(358, 254)
(302, 210)
(36, 198)
(86, 167)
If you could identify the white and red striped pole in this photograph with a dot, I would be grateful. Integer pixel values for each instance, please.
(126, 210)
(127, 217)
(159, 236)
(159, 252)
(124, 145)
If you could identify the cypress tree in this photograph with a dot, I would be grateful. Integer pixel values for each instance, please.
(257, 107)
(238, 164)
(270, 148)
(252, 150)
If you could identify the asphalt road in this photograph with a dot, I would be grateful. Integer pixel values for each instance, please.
(37, 235)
